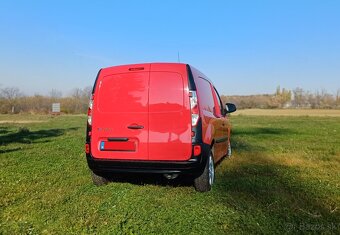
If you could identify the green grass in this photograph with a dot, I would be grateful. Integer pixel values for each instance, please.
(284, 177)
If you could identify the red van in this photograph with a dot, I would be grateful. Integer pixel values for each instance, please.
(162, 118)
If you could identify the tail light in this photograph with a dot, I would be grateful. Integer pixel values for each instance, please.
(89, 111)
(89, 127)
(87, 148)
(197, 150)
(194, 108)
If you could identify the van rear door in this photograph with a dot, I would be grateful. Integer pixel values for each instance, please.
(169, 113)
(120, 122)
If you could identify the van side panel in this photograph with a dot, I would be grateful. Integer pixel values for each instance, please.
(213, 124)
(169, 113)
(206, 104)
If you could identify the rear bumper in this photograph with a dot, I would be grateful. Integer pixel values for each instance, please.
(194, 166)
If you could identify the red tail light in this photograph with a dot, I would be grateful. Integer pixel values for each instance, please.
(197, 150)
(194, 108)
(87, 148)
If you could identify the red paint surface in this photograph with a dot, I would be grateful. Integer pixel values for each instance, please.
(157, 100)
(169, 116)
(154, 97)
(121, 100)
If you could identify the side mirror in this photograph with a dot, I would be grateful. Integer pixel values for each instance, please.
(230, 108)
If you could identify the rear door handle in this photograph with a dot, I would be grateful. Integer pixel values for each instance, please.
(134, 127)
(123, 139)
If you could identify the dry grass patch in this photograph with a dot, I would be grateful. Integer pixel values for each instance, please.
(290, 112)
(22, 121)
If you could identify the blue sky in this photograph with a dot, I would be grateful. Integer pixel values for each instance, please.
(245, 47)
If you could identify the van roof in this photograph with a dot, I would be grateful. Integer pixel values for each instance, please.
(144, 64)
(150, 66)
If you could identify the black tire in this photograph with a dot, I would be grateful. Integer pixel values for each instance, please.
(99, 180)
(204, 182)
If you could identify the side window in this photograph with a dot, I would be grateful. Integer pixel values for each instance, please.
(205, 95)
(218, 102)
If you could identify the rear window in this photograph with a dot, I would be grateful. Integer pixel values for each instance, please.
(127, 92)
(166, 92)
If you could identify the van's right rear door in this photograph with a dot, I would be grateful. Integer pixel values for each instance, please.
(120, 122)
(169, 114)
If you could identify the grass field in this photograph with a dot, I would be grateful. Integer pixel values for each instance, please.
(283, 178)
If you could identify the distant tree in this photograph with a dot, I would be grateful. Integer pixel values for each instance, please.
(87, 92)
(76, 93)
(281, 97)
(315, 100)
(327, 100)
(299, 97)
(80, 100)
(10, 95)
(337, 98)
(286, 96)
(55, 94)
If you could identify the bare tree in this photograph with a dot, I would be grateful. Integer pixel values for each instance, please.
(299, 97)
(76, 93)
(327, 99)
(55, 94)
(337, 98)
(10, 95)
(80, 99)
(87, 92)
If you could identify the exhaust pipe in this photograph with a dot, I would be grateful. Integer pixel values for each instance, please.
(170, 176)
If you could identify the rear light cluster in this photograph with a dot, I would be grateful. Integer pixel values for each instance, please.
(89, 111)
(89, 126)
(194, 108)
(194, 120)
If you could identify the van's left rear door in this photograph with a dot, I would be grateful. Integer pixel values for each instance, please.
(120, 124)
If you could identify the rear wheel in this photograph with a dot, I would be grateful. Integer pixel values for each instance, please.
(99, 180)
(204, 182)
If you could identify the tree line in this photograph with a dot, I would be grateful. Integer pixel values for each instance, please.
(12, 100)
(284, 98)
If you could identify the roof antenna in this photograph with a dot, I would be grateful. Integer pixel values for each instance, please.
(178, 57)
